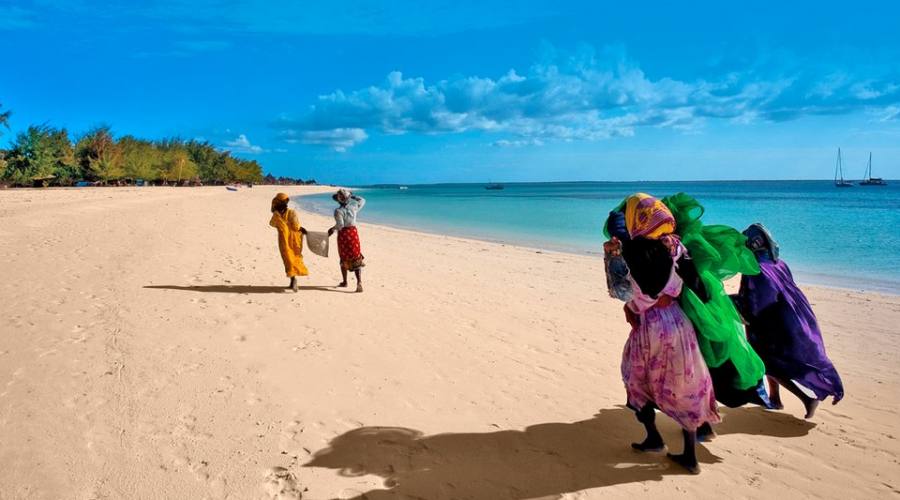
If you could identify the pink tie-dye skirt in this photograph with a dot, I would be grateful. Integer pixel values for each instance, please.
(663, 365)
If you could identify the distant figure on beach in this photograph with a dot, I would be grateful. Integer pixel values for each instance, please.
(290, 238)
(662, 366)
(783, 329)
(349, 249)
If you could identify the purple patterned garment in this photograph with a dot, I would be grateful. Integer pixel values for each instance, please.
(783, 330)
(662, 363)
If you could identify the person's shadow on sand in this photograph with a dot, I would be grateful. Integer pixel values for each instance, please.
(241, 289)
(545, 459)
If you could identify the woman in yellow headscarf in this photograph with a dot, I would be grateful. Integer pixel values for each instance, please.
(290, 238)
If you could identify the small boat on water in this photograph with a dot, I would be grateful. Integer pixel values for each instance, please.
(868, 180)
(494, 187)
(839, 173)
(403, 188)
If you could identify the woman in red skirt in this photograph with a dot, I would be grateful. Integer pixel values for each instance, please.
(348, 237)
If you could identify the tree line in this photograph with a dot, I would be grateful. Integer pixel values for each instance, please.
(48, 155)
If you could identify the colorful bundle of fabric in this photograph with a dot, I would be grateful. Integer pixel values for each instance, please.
(618, 278)
(719, 252)
(714, 253)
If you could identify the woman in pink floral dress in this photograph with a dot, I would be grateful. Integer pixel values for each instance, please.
(662, 366)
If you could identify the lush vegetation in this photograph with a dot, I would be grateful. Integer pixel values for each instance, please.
(286, 181)
(44, 154)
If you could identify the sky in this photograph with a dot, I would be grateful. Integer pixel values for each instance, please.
(472, 91)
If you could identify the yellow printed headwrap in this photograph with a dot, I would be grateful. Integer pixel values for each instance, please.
(648, 217)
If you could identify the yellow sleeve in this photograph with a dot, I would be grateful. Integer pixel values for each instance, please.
(293, 221)
(274, 221)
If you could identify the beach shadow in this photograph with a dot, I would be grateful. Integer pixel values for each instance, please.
(240, 289)
(542, 460)
(756, 421)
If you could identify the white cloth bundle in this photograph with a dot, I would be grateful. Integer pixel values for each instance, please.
(317, 243)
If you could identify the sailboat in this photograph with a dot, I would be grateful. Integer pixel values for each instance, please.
(839, 174)
(868, 180)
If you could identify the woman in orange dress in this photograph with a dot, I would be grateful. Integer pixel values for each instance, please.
(290, 238)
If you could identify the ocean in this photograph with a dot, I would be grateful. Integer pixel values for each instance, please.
(846, 238)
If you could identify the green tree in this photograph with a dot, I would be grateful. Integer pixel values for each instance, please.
(4, 119)
(99, 155)
(140, 159)
(210, 162)
(40, 151)
(247, 171)
(178, 166)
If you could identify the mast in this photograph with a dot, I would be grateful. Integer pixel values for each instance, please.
(837, 168)
(836, 163)
(869, 168)
(841, 165)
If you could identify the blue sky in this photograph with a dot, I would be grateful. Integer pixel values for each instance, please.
(446, 91)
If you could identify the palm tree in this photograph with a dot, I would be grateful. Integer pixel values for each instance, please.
(4, 118)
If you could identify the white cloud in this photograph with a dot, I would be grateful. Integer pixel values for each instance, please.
(242, 145)
(517, 143)
(580, 98)
(890, 113)
(338, 139)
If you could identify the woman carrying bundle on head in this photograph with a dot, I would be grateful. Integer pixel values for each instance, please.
(349, 248)
(782, 328)
(662, 366)
(290, 238)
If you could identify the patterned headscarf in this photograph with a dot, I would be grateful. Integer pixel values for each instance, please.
(760, 240)
(341, 196)
(648, 217)
(280, 201)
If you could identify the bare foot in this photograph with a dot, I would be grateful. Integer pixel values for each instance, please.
(705, 433)
(654, 444)
(342, 284)
(358, 288)
(811, 408)
(690, 465)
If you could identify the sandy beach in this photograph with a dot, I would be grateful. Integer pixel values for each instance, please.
(150, 350)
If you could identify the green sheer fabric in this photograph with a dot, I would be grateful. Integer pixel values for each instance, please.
(719, 252)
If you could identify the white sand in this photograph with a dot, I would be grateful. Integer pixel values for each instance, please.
(492, 370)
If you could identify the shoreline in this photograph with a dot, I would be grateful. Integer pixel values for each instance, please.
(816, 279)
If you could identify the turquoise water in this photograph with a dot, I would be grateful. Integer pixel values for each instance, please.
(838, 237)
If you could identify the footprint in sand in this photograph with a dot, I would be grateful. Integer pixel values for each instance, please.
(281, 484)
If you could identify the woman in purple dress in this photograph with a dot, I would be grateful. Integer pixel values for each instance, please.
(783, 330)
